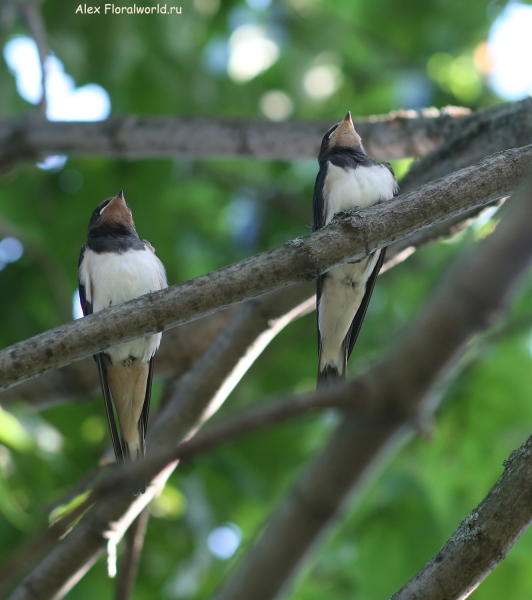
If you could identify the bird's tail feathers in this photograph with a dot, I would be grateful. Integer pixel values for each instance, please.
(133, 452)
(331, 372)
(128, 382)
(329, 375)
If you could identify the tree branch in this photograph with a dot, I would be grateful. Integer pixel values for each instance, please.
(399, 134)
(478, 135)
(386, 137)
(351, 236)
(482, 540)
(130, 560)
(35, 24)
(181, 347)
(475, 136)
(269, 413)
(466, 302)
(200, 394)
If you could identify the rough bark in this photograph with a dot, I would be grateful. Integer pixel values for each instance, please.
(482, 540)
(131, 557)
(181, 347)
(478, 135)
(466, 302)
(200, 395)
(350, 236)
(386, 137)
(501, 127)
(475, 136)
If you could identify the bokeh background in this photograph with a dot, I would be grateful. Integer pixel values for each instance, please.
(277, 59)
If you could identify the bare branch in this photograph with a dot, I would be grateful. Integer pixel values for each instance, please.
(201, 393)
(181, 348)
(386, 137)
(130, 561)
(351, 236)
(225, 363)
(405, 247)
(35, 24)
(476, 136)
(466, 302)
(399, 134)
(183, 345)
(482, 540)
(479, 135)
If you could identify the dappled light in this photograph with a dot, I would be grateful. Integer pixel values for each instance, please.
(215, 127)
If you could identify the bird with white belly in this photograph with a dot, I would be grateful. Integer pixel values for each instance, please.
(347, 178)
(115, 266)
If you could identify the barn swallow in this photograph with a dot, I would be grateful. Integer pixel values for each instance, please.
(115, 266)
(348, 177)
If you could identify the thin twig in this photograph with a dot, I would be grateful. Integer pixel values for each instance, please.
(35, 23)
(130, 560)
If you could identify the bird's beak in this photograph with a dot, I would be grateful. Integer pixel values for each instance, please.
(116, 210)
(345, 134)
(117, 200)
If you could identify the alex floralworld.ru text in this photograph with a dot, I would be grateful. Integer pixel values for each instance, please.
(161, 9)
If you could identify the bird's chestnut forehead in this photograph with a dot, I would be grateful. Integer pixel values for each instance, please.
(104, 203)
(99, 215)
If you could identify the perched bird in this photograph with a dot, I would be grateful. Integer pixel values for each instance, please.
(115, 265)
(348, 177)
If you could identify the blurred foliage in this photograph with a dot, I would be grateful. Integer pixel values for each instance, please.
(203, 214)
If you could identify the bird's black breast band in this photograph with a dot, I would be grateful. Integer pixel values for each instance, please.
(346, 158)
(107, 239)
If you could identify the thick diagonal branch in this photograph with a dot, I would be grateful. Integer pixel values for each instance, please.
(200, 395)
(181, 347)
(478, 135)
(78, 381)
(467, 301)
(482, 540)
(351, 236)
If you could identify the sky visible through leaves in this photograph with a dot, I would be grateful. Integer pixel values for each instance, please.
(276, 59)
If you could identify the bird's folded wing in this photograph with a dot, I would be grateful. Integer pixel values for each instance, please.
(356, 324)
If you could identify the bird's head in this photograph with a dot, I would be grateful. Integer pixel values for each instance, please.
(112, 216)
(342, 135)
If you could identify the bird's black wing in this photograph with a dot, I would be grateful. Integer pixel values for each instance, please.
(318, 201)
(318, 207)
(143, 422)
(86, 307)
(140, 483)
(354, 330)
